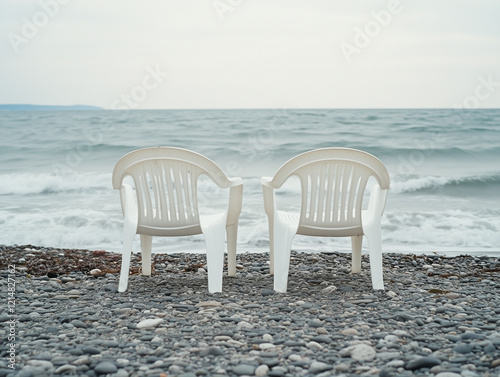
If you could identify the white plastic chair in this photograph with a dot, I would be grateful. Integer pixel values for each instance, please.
(333, 181)
(166, 204)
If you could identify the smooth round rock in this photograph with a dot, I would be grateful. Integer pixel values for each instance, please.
(244, 370)
(105, 367)
(422, 362)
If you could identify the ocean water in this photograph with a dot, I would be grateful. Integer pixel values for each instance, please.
(55, 172)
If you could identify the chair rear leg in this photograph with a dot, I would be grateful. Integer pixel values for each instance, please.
(356, 242)
(271, 250)
(146, 244)
(232, 235)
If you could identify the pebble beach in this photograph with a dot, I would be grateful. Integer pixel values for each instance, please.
(438, 316)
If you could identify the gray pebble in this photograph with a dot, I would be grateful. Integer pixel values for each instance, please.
(244, 370)
(105, 367)
(422, 362)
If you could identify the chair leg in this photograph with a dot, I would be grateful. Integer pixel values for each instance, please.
(214, 239)
(375, 249)
(232, 235)
(271, 249)
(356, 242)
(128, 239)
(282, 247)
(146, 243)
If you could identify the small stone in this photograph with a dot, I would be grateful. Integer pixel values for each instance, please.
(110, 287)
(452, 295)
(89, 350)
(146, 323)
(329, 289)
(391, 339)
(121, 373)
(294, 357)
(266, 346)
(74, 292)
(174, 369)
(314, 345)
(78, 324)
(66, 368)
(321, 339)
(495, 363)
(105, 367)
(209, 304)
(315, 323)
(45, 364)
(82, 360)
(448, 374)
(422, 362)
(349, 332)
(245, 325)
(261, 370)
(463, 348)
(342, 367)
(267, 292)
(268, 338)
(121, 362)
(244, 369)
(359, 352)
(318, 366)
(214, 351)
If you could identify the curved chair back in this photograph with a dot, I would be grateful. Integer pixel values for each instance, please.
(333, 181)
(166, 188)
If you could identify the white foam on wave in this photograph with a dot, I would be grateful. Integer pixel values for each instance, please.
(418, 183)
(94, 220)
(42, 183)
(71, 228)
(412, 184)
(452, 229)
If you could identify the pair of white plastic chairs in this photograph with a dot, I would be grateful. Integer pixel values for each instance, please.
(333, 182)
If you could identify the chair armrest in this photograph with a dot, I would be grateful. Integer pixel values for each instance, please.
(129, 205)
(268, 193)
(236, 181)
(376, 203)
(235, 200)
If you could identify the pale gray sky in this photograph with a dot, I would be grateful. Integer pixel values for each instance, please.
(155, 54)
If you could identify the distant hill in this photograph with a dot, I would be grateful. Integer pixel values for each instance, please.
(47, 108)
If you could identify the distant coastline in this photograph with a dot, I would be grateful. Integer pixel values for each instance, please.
(23, 107)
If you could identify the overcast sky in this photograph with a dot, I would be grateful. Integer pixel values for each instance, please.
(166, 54)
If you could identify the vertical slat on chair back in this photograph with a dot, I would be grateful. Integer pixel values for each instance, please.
(166, 192)
(332, 193)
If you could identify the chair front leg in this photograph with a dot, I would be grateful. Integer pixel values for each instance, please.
(282, 242)
(375, 248)
(128, 239)
(214, 239)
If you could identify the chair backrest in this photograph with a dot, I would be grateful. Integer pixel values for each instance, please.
(333, 181)
(165, 180)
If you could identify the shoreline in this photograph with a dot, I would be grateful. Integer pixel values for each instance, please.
(436, 315)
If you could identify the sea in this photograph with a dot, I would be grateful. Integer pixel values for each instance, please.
(444, 165)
